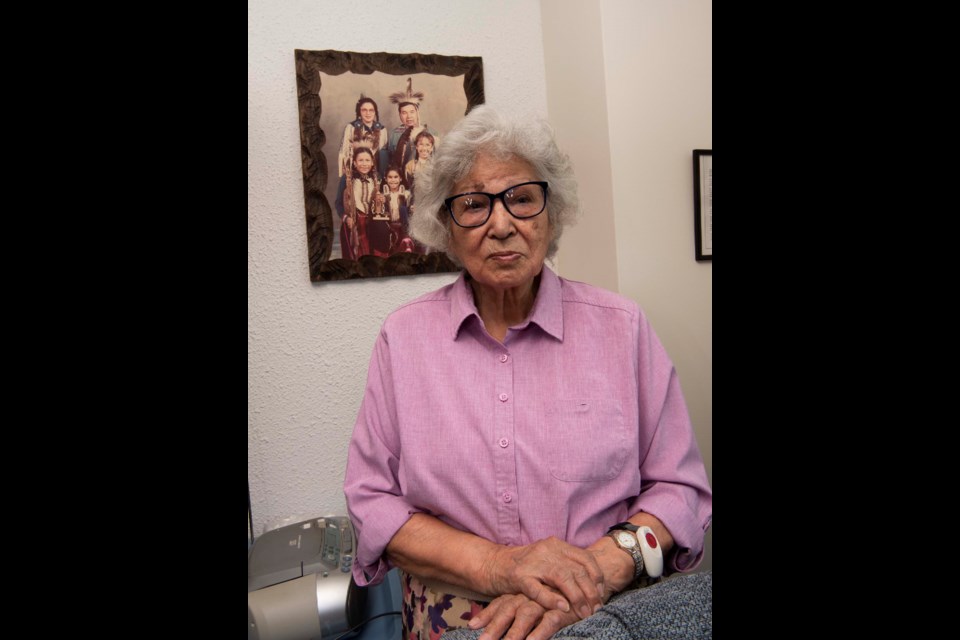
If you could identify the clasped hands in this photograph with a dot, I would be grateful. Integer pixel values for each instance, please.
(547, 585)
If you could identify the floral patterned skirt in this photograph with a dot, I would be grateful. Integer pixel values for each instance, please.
(428, 614)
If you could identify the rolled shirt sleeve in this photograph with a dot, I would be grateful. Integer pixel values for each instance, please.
(674, 485)
(375, 502)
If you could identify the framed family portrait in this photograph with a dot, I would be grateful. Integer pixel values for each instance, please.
(369, 122)
(703, 203)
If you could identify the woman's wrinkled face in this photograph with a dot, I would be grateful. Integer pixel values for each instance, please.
(504, 252)
(393, 180)
(364, 163)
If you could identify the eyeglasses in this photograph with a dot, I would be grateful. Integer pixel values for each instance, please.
(524, 200)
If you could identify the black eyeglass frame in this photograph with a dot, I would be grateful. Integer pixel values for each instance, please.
(493, 198)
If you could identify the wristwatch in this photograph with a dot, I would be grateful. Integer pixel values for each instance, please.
(623, 535)
(644, 544)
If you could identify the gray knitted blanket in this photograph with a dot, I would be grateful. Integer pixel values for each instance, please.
(680, 607)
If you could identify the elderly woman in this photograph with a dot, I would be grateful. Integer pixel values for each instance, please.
(518, 430)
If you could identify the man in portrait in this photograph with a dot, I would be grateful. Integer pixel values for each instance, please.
(401, 147)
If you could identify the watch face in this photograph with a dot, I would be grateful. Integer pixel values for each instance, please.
(626, 539)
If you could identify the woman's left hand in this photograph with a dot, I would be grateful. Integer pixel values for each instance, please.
(513, 617)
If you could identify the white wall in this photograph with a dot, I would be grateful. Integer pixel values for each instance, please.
(577, 103)
(309, 344)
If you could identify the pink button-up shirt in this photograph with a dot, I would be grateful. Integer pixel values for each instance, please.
(573, 424)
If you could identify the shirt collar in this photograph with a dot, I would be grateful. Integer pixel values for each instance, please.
(547, 310)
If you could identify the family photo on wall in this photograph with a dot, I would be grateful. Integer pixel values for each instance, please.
(377, 169)
(369, 124)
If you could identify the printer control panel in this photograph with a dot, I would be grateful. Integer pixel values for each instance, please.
(338, 543)
(325, 546)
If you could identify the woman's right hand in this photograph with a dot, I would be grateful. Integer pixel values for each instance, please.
(551, 572)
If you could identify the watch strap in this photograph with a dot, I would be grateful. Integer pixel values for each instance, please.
(623, 526)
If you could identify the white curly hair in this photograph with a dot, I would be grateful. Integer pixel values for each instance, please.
(484, 130)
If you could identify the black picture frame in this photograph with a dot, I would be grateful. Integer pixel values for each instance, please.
(320, 140)
(703, 203)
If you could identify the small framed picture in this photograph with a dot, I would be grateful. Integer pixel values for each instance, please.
(703, 203)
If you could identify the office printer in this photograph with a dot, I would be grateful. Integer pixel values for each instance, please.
(300, 584)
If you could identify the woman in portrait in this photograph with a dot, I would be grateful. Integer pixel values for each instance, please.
(368, 130)
(424, 143)
(358, 201)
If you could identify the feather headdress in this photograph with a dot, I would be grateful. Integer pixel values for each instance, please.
(365, 144)
(409, 96)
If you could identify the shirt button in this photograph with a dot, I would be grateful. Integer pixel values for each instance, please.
(507, 497)
(503, 442)
(503, 397)
(503, 357)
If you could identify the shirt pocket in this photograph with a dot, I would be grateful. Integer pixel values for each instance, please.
(586, 440)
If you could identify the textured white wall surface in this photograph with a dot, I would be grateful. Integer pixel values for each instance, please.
(309, 343)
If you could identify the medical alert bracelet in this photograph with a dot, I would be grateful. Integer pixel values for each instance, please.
(651, 551)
